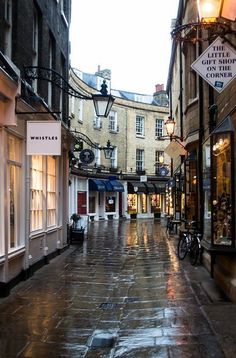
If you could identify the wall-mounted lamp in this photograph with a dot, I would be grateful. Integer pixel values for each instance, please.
(102, 101)
(212, 14)
(212, 10)
(108, 150)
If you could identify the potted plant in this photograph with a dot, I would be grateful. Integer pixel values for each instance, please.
(76, 230)
(75, 220)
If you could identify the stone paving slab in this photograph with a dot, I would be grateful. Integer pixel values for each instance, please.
(123, 293)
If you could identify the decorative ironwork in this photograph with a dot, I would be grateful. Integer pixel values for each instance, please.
(185, 32)
(50, 75)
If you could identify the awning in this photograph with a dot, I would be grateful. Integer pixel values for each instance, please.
(137, 187)
(96, 185)
(114, 185)
(160, 187)
(151, 189)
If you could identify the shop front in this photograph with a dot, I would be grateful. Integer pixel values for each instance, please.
(219, 207)
(105, 199)
(145, 199)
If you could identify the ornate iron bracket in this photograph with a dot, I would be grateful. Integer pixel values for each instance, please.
(48, 74)
(182, 33)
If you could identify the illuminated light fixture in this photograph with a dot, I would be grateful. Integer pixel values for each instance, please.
(220, 146)
(170, 126)
(161, 159)
(103, 102)
(211, 10)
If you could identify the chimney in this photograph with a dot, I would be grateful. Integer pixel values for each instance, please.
(99, 68)
(159, 87)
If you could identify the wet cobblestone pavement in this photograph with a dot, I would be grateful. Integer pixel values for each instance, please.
(123, 293)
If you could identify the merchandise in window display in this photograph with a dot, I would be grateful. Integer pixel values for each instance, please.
(222, 220)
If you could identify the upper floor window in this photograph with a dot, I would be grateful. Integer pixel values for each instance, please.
(140, 125)
(8, 28)
(139, 159)
(113, 121)
(159, 127)
(159, 160)
(114, 158)
(64, 11)
(97, 122)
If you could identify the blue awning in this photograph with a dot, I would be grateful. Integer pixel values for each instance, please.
(96, 185)
(114, 185)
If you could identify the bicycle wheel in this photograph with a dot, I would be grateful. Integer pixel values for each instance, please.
(182, 248)
(194, 251)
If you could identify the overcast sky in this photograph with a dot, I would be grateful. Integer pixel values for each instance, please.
(129, 37)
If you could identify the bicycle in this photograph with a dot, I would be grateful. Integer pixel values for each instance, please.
(189, 243)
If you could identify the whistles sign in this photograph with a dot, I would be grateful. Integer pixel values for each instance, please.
(43, 138)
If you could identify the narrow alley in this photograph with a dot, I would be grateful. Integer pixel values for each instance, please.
(123, 293)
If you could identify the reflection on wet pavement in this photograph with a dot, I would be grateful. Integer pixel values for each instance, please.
(122, 294)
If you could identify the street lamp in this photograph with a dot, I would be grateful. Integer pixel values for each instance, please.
(170, 126)
(108, 150)
(212, 10)
(102, 101)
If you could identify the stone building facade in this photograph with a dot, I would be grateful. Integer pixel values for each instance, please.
(206, 116)
(134, 127)
(34, 45)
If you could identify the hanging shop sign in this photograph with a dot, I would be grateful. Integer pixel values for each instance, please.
(86, 156)
(43, 138)
(217, 64)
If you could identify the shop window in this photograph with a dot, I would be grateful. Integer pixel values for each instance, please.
(207, 189)
(110, 204)
(92, 204)
(51, 191)
(14, 191)
(143, 203)
(222, 189)
(155, 202)
(132, 203)
(191, 209)
(43, 201)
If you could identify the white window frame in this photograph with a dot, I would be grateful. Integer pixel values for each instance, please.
(140, 126)
(44, 189)
(8, 29)
(159, 127)
(114, 158)
(139, 159)
(15, 161)
(113, 121)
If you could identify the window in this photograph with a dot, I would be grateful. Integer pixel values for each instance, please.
(139, 159)
(114, 158)
(8, 28)
(35, 45)
(158, 164)
(51, 191)
(113, 122)
(139, 125)
(97, 157)
(64, 11)
(159, 127)
(97, 123)
(222, 198)
(36, 189)
(110, 205)
(43, 201)
(15, 191)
